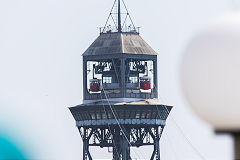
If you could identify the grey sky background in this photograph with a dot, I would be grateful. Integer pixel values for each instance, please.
(41, 42)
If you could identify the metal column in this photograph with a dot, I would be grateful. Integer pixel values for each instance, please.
(86, 137)
(156, 137)
(125, 146)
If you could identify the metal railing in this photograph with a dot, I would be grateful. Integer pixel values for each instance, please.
(114, 29)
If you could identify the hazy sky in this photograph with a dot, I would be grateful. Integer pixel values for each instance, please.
(41, 42)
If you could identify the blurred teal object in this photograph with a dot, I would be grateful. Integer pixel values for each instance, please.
(9, 150)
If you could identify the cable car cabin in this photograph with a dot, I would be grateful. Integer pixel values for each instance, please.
(95, 85)
(145, 83)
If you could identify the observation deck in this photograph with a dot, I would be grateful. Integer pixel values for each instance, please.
(136, 113)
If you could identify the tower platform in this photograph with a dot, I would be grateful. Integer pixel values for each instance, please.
(121, 126)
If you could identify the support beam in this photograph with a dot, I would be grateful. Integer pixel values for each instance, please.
(158, 135)
(86, 137)
(121, 140)
(157, 149)
(125, 146)
(117, 147)
(85, 145)
(153, 154)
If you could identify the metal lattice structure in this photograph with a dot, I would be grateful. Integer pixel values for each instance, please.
(133, 126)
(120, 91)
(113, 137)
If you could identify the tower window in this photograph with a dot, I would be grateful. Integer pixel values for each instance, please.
(133, 79)
(107, 79)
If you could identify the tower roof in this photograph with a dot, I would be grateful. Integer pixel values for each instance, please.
(119, 43)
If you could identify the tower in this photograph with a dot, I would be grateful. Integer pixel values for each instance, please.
(120, 108)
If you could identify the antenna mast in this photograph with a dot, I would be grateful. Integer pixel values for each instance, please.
(119, 26)
(119, 16)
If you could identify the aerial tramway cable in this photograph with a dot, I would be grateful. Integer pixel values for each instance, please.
(179, 128)
(115, 117)
(109, 126)
(167, 113)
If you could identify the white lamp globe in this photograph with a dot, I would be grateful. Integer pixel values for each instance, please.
(210, 73)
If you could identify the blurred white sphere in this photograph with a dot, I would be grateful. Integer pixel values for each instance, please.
(210, 73)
